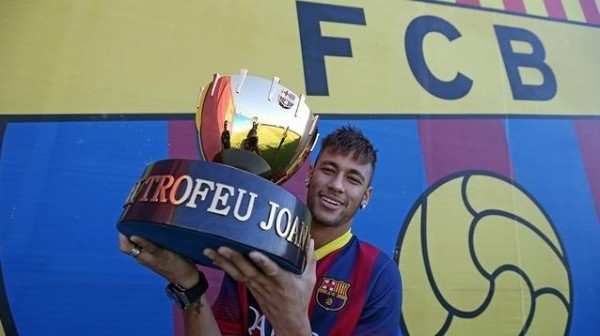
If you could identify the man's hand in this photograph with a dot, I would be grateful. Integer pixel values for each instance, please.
(283, 296)
(170, 265)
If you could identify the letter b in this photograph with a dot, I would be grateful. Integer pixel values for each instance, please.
(513, 60)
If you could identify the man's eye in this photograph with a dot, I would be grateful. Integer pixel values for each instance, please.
(355, 180)
(327, 170)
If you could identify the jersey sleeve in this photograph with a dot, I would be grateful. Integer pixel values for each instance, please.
(381, 315)
(226, 308)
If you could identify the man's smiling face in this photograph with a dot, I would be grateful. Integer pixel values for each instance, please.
(338, 185)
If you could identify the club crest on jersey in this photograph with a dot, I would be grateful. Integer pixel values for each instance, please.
(332, 294)
(287, 99)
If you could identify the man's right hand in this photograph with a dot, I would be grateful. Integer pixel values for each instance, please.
(172, 266)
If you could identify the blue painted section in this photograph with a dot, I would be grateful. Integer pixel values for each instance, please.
(62, 185)
(549, 166)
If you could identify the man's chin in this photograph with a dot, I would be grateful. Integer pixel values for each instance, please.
(325, 219)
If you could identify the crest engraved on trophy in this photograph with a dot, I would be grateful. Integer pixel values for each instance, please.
(254, 134)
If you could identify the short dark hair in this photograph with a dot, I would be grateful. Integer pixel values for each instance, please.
(350, 140)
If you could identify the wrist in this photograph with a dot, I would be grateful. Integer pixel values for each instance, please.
(189, 281)
(188, 276)
(301, 329)
(184, 297)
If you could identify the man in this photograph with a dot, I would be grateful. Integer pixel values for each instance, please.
(283, 136)
(225, 136)
(348, 287)
(251, 141)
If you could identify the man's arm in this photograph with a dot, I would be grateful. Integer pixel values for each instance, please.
(284, 297)
(383, 308)
(199, 318)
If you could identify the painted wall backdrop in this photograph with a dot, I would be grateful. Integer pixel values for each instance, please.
(485, 114)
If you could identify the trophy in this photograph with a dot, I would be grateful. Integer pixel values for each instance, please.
(254, 134)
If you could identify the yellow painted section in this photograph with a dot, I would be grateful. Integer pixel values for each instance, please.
(128, 56)
(137, 56)
(495, 4)
(574, 11)
(465, 252)
(535, 7)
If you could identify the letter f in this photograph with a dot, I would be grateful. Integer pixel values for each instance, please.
(315, 46)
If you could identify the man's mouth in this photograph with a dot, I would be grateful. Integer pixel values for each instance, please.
(331, 200)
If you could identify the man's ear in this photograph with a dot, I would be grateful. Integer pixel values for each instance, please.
(366, 197)
(308, 176)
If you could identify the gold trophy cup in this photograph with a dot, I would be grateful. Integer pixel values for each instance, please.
(254, 134)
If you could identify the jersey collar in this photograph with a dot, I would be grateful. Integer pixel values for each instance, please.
(333, 245)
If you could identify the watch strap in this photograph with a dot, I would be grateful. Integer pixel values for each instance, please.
(184, 298)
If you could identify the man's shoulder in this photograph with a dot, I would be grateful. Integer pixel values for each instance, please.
(370, 249)
(380, 260)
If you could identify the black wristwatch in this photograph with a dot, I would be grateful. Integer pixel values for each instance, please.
(184, 298)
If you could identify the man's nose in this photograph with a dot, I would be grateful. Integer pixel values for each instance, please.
(336, 182)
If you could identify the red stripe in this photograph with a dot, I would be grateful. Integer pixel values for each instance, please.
(468, 2)
(215, 110)
(555, 9)
(359, 281)
(296, 184)
(183, 145)
(453, 145)
(590, 11)
(323, 266)
(182, 134)
(183, 140)
(244, 304)
(516, 6)
(588, 134)
(178, 325)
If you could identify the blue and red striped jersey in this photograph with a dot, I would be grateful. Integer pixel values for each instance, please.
(358, 292)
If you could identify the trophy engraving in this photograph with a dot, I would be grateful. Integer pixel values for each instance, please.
(253, 135)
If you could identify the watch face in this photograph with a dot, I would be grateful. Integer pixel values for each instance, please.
(174, 296)
(183, 298)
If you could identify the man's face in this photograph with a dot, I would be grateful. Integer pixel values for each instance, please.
(338, 185)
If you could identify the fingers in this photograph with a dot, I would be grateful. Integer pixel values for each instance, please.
(268, 266)
(125, 245)
(146, 245)
(311, 258)
(128, 247)
(256, 272)
(242, 269)
(172, 266)
(234, 263)
(142, 250)
(135, 246)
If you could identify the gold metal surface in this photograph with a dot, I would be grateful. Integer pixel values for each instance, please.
(244, 120)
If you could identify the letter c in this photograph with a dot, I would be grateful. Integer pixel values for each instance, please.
(413, 44)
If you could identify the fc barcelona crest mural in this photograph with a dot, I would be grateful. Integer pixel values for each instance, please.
(485, 115)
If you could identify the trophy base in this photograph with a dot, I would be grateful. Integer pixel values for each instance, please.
(191, 243)
(187, 206)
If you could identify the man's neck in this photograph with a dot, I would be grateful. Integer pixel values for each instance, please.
(326, 234)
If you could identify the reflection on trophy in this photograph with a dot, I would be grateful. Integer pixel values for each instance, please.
(254, 134)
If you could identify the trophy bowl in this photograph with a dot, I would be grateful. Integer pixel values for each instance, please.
(253, 135)
(256, 125)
